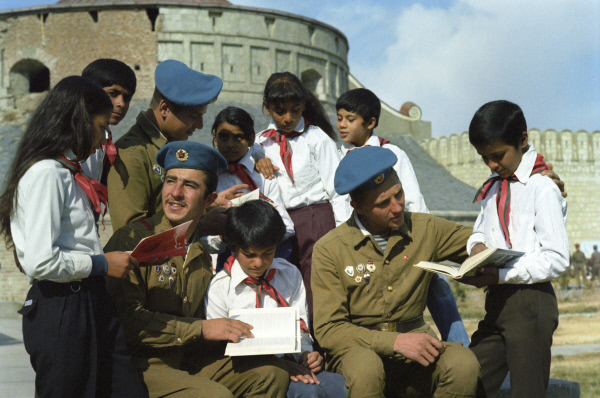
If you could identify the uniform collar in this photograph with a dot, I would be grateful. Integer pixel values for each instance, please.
(348, 146)
(150, 129)
(361, 233)
(299, 127)
(238, 274)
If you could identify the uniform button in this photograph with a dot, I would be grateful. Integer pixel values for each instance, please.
(390, 288)
(179, 339)
(185, 299)
(389, 315)
(387, 262)
(187, 270)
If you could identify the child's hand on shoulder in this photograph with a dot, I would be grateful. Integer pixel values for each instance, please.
(266, 168)
(312, 360)
(485, 276)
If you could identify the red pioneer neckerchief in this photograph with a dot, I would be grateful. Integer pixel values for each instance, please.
(94, 190)
(240, 171)
(503, 196)
(285, 151)
(110, 149)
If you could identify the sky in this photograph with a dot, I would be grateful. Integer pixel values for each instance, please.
(451, 56)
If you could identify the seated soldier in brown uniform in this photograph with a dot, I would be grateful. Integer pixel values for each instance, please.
(177, 351)
(368, 297)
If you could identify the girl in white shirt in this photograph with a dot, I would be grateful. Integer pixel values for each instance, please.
(300, 142)
(70, 329)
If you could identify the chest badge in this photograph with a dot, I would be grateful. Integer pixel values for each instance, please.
(161, 278)
(360, 268)
(166, 269)
(158, 268)
(405, 257)
(171, 282)
(349, 270)
(367, 277)
(158, 170)
(173, 269)
(358, 279)
(371, 266)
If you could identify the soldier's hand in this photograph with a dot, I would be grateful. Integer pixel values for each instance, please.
(119, 264)
(559, 183)
(224, 197)
(225, 329)
(266, 168)
(419, 347)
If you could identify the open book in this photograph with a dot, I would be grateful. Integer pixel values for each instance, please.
(276, 331)
(488, 257)
(168, 243)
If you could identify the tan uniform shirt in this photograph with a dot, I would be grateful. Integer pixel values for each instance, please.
(134, 180)
(396, 291)
(161, 306)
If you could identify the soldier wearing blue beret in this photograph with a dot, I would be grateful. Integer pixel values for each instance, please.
(179, 102)
(368, 297)
(177, 351)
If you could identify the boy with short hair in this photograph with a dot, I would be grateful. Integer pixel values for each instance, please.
(253, 278)
(358, 113)
(520, 210)
(119, 81)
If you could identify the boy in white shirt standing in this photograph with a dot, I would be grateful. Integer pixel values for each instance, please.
(254, 278)
(524, 211)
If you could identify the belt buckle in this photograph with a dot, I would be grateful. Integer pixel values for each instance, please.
(387, 327)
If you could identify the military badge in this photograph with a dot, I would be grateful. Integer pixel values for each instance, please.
(405, 257)
(379, 179)
(171, 282)
(358, 279)
(371, 266)
(158, 170)
(173, 269)
(182, 155)
(161, 278)
(349, 270)
(360, 268)
(166, 269)
(367, 278)
(158, 268)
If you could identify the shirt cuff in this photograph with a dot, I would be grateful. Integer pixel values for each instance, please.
(99, 265)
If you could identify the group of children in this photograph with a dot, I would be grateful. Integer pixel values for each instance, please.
(292, 163)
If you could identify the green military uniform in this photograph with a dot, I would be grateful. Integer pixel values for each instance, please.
(357, 289)
(579, 263)
(134, 180)
(161, 308)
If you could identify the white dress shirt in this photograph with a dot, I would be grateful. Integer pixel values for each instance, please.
(269, 188)
(412, 193)
(228, 293)
(53, 225)
(314, 161)
(538, 214)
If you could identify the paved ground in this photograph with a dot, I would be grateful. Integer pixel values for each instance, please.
(17, 377)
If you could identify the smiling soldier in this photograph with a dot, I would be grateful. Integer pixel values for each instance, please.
(179, 102)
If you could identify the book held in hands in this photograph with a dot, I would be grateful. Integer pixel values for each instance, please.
(275, 330)
(489, 257)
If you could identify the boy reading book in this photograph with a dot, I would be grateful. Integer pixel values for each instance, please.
(253, 278)
(520, 210)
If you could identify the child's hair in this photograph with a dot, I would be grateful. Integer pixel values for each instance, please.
(361, 101)
(254, 223)
(497, 121)
(62, 121)
(285, 86)
(107, 71)
(236, 117)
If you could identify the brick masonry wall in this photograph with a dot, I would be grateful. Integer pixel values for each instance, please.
(574, 155)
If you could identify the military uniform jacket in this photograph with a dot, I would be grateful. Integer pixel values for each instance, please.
(355, 285)
(161, 307)
(134, 180)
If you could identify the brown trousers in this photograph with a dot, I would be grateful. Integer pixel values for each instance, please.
(515, 336)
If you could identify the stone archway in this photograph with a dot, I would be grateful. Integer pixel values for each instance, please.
(29, 76)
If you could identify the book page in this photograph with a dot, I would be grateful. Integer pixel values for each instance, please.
(445, 269)
(167, 243)
(254, 195)
(275, 330)
(489, 257)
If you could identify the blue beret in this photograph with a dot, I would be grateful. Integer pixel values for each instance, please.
(190, 155)
(363, 168)
(184, 86)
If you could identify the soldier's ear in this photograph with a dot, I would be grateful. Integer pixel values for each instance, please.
(163, 108)
(210, 199)
(356, 207)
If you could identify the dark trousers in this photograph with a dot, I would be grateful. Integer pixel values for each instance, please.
(515, 336)
(75, 341)
(311, 224)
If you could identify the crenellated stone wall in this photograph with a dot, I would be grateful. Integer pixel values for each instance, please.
(575, 156)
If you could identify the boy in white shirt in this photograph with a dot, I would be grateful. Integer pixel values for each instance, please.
(253, 278)
(524, 211)
(358, 113)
